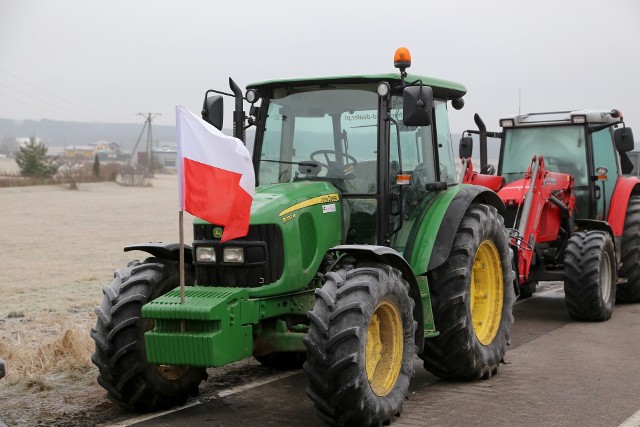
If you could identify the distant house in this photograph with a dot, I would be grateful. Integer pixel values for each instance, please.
(55, 151)
(78, 152)
(165, 156)
(105, 150)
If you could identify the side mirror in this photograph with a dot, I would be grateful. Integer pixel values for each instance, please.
(623, 138)
(417, 105)
(212, 110)
(466, 147)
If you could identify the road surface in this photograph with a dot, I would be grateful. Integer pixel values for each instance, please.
(558, 372)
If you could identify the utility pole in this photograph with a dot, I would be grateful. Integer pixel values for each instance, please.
(147, 124)
(148, 119)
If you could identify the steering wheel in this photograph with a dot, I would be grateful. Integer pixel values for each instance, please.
(488, 170)
(335, 154)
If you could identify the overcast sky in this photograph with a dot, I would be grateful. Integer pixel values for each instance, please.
(89, 60)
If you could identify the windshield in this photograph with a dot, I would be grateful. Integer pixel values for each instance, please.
(320, 132)
(562, 147)
(330, 133)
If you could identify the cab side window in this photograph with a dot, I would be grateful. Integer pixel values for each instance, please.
(604, 155)
(445, 149)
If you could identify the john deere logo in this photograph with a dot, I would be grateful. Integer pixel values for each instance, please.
(217, 232)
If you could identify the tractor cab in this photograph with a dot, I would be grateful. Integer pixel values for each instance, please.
(352, 132)
(588, 145)
(349, 131)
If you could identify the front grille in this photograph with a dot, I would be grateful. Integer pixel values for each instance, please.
(264, 257)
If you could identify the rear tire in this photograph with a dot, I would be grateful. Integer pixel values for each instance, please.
(120, 353)
(630, 255)
(360, 346)
(527, 289)
(472, 295)
(590, 276)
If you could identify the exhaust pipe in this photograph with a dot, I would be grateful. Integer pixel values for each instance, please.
(483, 139)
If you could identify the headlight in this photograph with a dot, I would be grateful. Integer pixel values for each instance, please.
(205, 254)
(232, 254)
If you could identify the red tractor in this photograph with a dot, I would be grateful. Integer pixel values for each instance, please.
(572, 214)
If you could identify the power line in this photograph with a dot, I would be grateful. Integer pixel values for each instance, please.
(57, 107)
(82, 107)
(75, 116)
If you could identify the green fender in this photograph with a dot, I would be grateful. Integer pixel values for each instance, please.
(388, 256)
(170, 251)
(440, 222)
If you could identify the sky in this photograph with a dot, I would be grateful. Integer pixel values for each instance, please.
(88, 60)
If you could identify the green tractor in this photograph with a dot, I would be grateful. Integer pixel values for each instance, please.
(362, 252)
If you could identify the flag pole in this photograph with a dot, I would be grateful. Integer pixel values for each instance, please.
(180, 166)
(181, 221)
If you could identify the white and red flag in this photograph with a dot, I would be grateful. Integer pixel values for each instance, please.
(216, 178)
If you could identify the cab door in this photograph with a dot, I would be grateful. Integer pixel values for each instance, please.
(604, 155)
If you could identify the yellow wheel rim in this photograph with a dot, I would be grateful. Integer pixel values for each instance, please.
(171, 372)
(384, 348)
(168, 372)
(487, 290)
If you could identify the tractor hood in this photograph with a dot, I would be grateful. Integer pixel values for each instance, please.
(279, 203)
(292, 224)
(514, 192)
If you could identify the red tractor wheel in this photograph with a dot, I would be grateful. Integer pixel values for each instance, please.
(630, 254)
(590, 276)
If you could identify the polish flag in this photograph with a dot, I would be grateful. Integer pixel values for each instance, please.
(215, 172)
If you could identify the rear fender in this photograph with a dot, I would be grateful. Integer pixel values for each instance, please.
(388, 256)
(594, 224)
(625, 187)
(428, 258)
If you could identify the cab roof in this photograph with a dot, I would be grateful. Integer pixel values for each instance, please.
(443, 89)
(562, 117)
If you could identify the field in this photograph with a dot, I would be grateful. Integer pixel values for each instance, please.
(58, 247)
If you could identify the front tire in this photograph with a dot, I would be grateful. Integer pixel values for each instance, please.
(629, 292)
(472, 296)
(360, 346)
(120, 354)
(590, 276)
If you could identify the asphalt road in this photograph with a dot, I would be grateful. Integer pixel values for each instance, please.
(558, 372)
